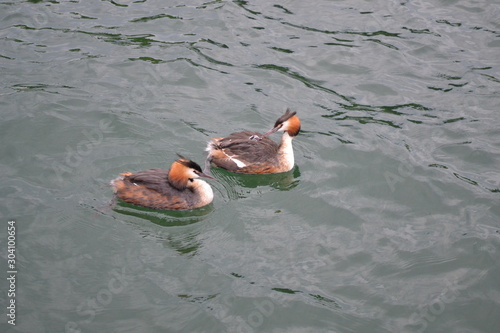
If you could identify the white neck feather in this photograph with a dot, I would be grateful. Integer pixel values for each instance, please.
(204, 190)
(286, 152)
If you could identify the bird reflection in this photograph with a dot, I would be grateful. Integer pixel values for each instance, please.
(165, 218)
(236, 185)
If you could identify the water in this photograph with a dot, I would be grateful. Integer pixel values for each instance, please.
(389, 222)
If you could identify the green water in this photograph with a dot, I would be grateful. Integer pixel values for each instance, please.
(390, 221)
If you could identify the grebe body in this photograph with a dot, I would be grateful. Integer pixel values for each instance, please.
(175, 189)
(255, 153)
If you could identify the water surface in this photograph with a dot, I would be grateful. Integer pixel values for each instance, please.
(388, 223)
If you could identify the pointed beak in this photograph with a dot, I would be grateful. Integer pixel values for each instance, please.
(271, 131)
(206, 175)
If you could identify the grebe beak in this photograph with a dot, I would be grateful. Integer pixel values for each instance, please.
(206, 174)
(274, 130)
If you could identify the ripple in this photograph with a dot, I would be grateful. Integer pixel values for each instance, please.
(164, 218)
(393, 203)
(156, 17)
(294, 75)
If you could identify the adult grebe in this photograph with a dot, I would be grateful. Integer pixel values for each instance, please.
(254, 153)
(173, 189)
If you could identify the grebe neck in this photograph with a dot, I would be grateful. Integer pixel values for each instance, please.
(285, 152)
(203, 189)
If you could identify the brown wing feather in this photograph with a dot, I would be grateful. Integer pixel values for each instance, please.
(259, 169)
(142, 196)
(151, 189)
(154, 179)
(249, 151)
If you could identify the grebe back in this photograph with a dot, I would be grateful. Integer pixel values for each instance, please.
(175, 189)
(255, 153)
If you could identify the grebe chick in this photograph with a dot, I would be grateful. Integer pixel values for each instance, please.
(254, 153)
(174, 189)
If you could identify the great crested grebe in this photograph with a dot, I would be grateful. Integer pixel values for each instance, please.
(174, 189)
(253, 152)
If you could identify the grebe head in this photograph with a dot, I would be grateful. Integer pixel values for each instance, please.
(183, 172)
(288, 122)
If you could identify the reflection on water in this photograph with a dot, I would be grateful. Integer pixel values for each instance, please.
(391, 223)
(184, 241)
(236, 185)
(166, 218)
